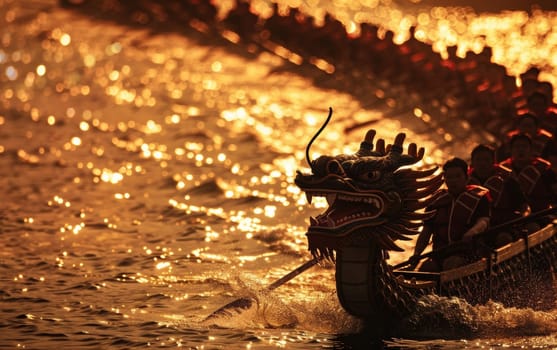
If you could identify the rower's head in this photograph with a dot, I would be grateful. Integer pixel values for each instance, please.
(521, 149)
(482, 160)
(455, 171)
(537, 102)
(528, 123)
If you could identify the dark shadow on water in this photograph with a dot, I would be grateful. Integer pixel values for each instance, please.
(357, 341)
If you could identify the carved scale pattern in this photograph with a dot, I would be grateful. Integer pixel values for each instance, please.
(367, 288)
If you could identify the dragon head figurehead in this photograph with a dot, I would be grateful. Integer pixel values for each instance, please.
(372, 195)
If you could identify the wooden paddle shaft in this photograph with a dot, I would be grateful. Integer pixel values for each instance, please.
(293, 273)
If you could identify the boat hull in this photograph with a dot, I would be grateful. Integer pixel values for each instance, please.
(519, 274)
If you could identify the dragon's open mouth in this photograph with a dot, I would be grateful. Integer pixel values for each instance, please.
(347, 209)
(371, 197)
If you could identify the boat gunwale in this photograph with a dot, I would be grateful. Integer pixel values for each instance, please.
(497, 256)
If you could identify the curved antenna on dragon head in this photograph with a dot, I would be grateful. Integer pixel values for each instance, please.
(315, 136)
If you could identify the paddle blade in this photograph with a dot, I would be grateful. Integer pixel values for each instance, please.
(226, 310)
(245, 302)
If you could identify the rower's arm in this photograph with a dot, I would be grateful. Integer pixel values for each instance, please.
(479, 227)
(423, 240)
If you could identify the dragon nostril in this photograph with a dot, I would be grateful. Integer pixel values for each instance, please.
(334, 167)
(320, 165)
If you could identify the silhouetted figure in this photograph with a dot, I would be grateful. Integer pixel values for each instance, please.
(527, 88)
(362, 46)
(541, 106)
(543, 143)
(203, 10)
(507, 200)
(461, 212)
(241, 20)
(537, 181)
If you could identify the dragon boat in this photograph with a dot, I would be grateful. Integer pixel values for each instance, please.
(376, 197)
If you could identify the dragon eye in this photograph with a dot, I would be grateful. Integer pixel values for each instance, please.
(370, 176)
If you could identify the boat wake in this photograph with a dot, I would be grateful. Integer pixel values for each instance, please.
(435, 317)
(445, 317)
(266, 309)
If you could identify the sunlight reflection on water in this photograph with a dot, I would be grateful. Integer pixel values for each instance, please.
(148, 178)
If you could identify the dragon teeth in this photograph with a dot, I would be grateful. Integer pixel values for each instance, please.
(352, 217)
(313, 221)
(370, 200)
(309, 197)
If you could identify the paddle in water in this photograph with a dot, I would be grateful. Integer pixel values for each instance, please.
(246, 302)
